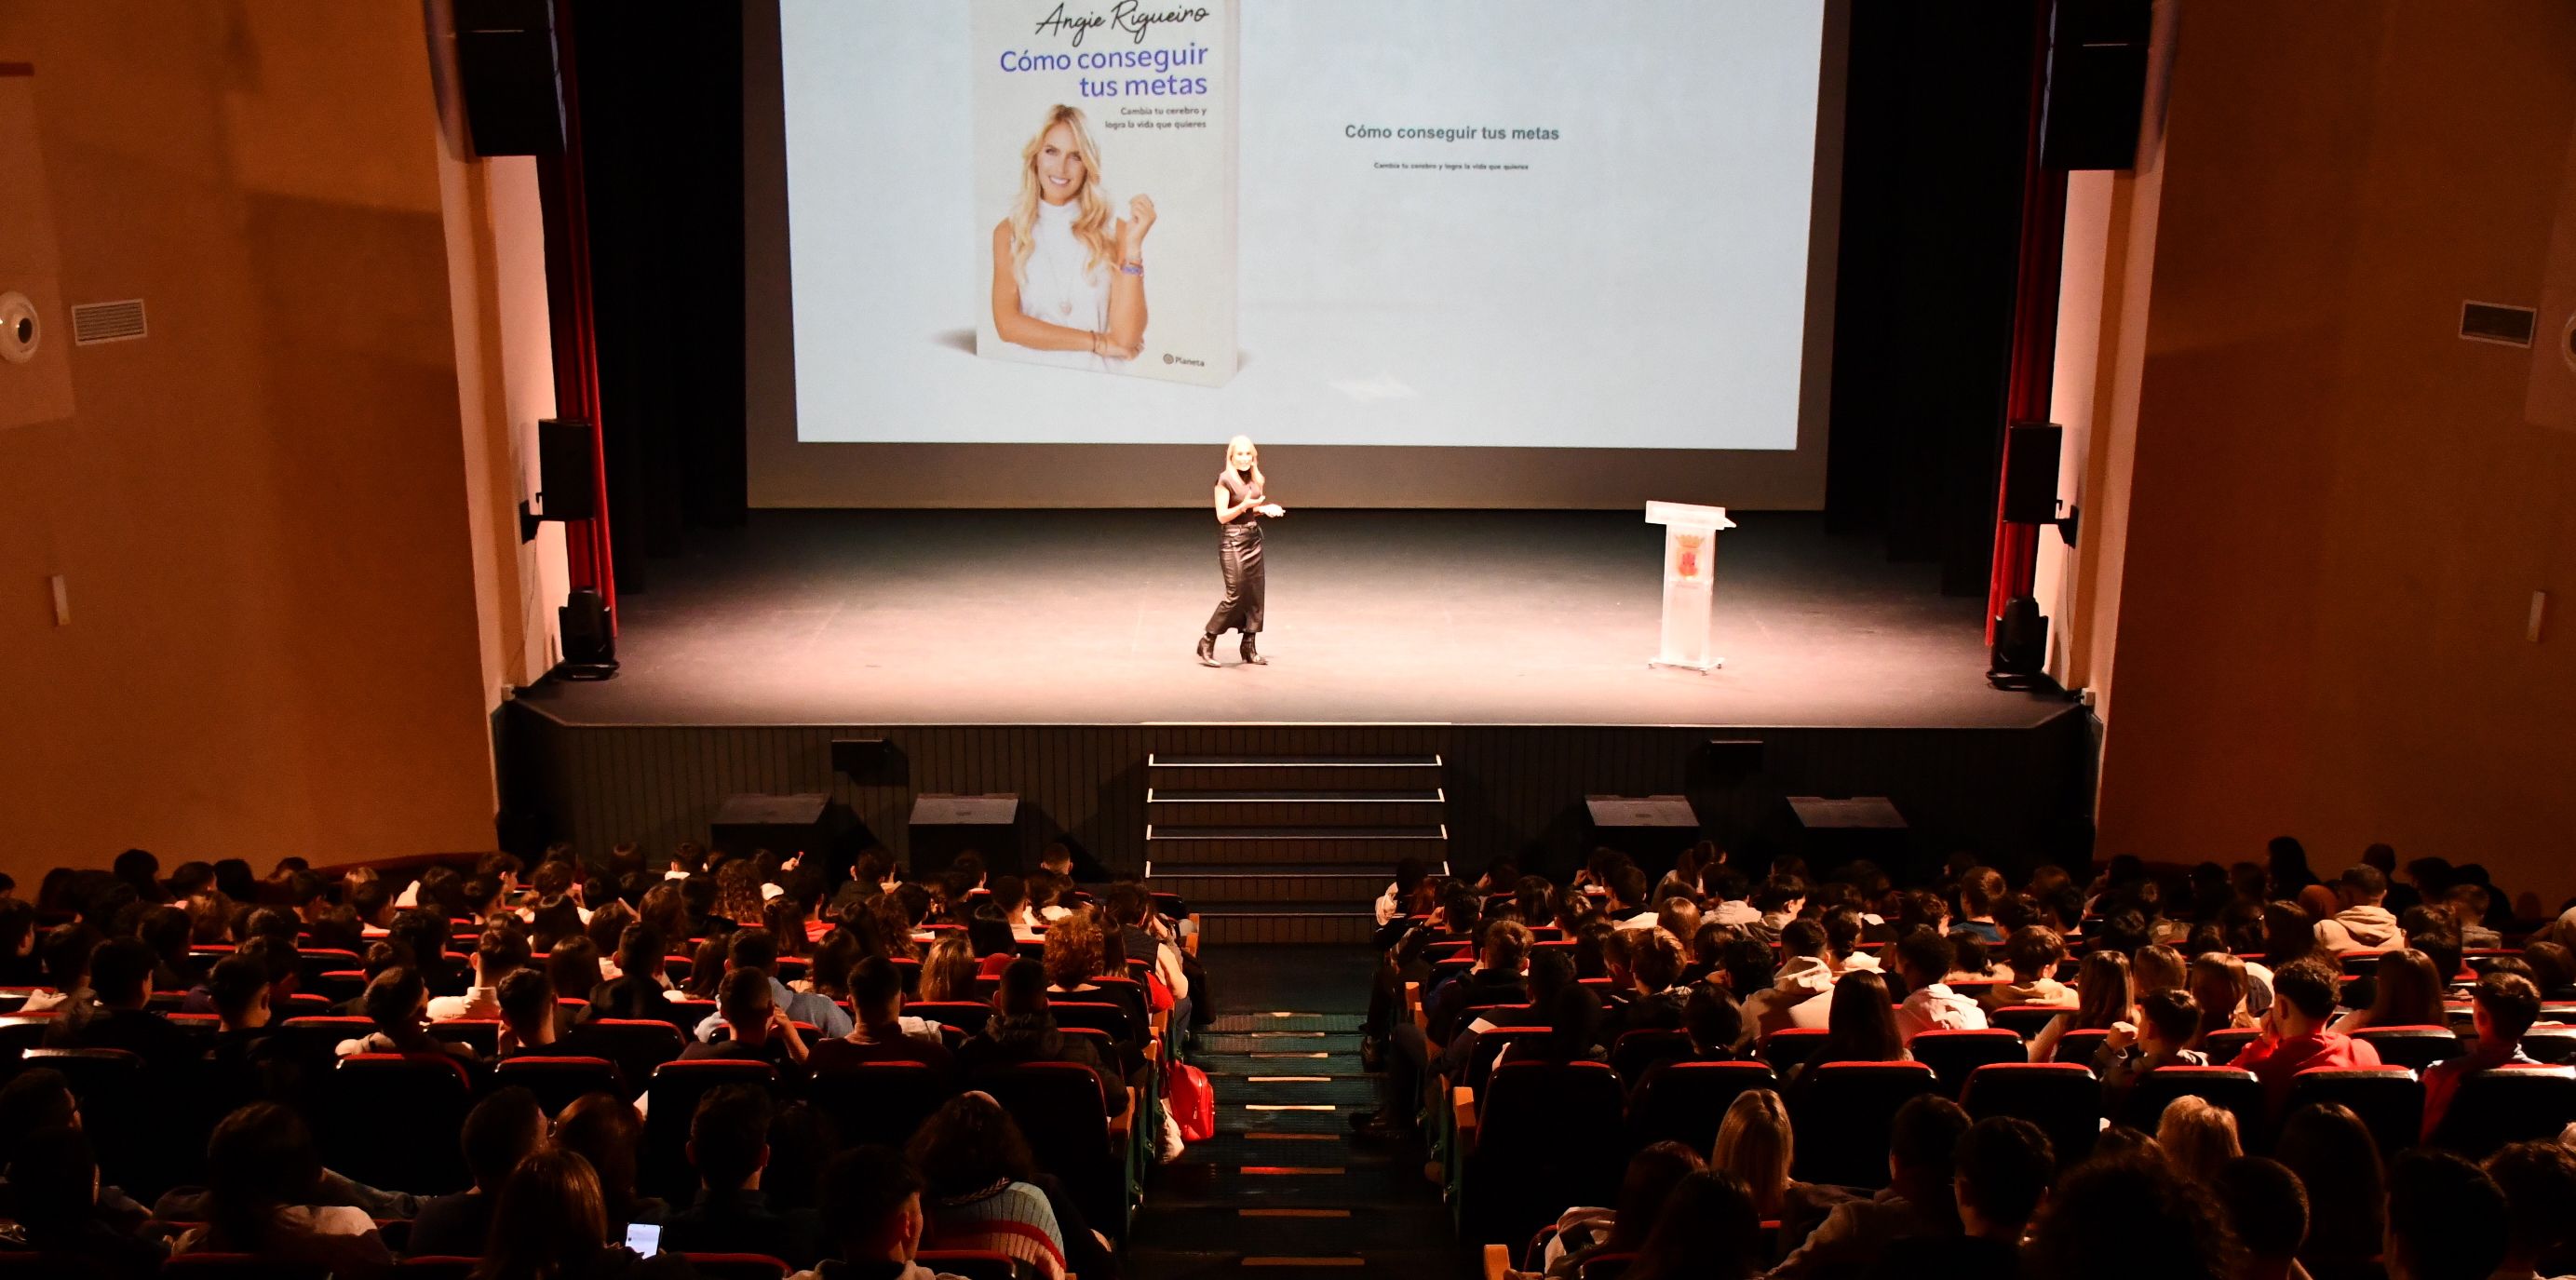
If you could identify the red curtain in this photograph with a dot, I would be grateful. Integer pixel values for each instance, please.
(576, 335)
(2034, 337)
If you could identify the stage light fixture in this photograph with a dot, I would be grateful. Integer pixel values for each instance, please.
(2021, 645)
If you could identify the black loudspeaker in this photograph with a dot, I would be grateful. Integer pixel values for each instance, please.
(505, 64)
(945, 826)
(2097, 83)
(2030, 472)
(868, 761)
(784, 825)
(566, 468)
(588, 641)
(1651, 829)
(1836, 833)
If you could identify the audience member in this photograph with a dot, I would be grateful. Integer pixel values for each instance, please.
(2446, 1219)
(880, 1032)
(1756, 1143)
(2333, 1154)
(118, 1016)
(1796, 994)
(2360, 923)
(551, 1223)
(2295, 1037)
(2168, 1022)
(394, 1001)
(501, 951)
(2033, 953)
(2538, 1180)
(729, 1148)
(1022, 1030)
(264, 1178)
(1922, 960)
(1707, 1230)
(2502, 1007)
(1586, 1232)
(2406, 991)
(2129, 1217)
(872, 1199)
(500, 1132)
(2197, 1137)
(753, 1026)
(2001, 1168)
(54, 1198)
(981, 1188)
(604, 1130)
(1919, 1199)
(2267, 1210)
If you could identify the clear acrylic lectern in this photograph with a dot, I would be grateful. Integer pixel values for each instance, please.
(1690, 581)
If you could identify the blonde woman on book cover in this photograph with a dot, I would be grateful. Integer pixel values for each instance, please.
(1239, 500)
(1068, 272)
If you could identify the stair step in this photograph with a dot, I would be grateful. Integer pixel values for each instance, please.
(1204, 886)
(1411, 760)
(1378, 845)
(1262, 806)
(1275, 1020)
(1283, 923)
(1258, 772)
(1252, 1042)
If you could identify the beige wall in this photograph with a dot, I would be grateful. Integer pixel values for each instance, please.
(287, 630)
(2314, 516)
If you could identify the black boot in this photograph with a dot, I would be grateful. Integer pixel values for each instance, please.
(1207, 651)
(1250, 657)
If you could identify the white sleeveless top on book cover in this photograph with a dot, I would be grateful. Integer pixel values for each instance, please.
(1059, 285)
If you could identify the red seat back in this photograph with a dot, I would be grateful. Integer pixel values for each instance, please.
(2062, 1098)
(1842, 1112)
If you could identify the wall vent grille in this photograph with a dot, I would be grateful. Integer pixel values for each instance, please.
(95, 322)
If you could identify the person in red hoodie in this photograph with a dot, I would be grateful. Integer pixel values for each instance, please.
(2294, 1035)
(2504, 1006)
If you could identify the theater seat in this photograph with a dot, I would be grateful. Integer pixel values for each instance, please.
(2223, 1045)
(636, 1045)
(1841, 1114)
(1606, 1266)
(1639, 1050)
(663, 1164)
(2028, 1019)
(1789, 1048)
(436, 1267)
(2231, 1087)
(2552, 1045)
(2389, 1100)
(2415, 1047)
(1542, 1136)
(2079, 1046)
(125, 1107)
(392, 1120)
(1686, 1101)
(1952, 1055)
(2063, 1099)
(558, 1081)
(2506, 1105)
(974, 1264)
(879, 1102)
(238, 1266)
(968, 1016)
(1066, 1121)
(736, 1266)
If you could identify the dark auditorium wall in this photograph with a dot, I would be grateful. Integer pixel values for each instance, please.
(2314, 515)
(287, 516)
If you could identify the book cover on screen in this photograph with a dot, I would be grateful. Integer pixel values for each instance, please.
(1105, 148)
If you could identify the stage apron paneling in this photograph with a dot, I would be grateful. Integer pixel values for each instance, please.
(2012, 794)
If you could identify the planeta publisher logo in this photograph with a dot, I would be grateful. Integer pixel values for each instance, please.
(1169, 358)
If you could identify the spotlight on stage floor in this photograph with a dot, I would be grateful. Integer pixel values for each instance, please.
(2021, 645)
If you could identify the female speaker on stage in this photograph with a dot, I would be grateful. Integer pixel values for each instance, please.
(1240, 503)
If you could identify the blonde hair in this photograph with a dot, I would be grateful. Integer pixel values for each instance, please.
(948, 972)
(1091, 219)
(1246, 442)
(1754, 1143)
(2197, 1136)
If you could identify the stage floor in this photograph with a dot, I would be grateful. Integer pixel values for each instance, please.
(1376, 617)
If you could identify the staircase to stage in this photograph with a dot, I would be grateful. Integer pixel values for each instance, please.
(1289, 849)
